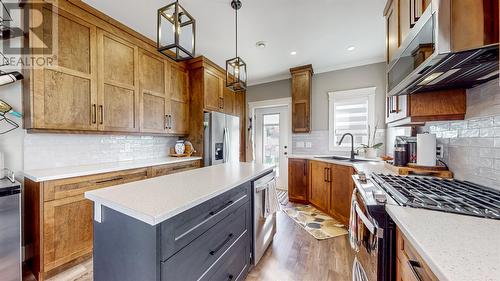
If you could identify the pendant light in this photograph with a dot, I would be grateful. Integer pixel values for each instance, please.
(236, 68)
(176, 32)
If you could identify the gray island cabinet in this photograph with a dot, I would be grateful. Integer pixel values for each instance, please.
(197, 233)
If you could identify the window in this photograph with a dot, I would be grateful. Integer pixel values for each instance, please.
(352, 112)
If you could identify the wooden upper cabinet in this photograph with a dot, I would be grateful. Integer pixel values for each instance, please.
(153, 87)
(342, 186)
(63, 95)
(392, 27)
(118, 84)
(297, 180)
(301, 98)
(178, 105)
(213, 90)
(319, 184)
(229, 101)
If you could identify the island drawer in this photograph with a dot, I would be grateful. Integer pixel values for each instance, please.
(182, 229)
(196, 258)
(234, 264)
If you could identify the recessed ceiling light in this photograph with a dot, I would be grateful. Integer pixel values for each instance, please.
(293, 53)
(260, 44)
(351, 48)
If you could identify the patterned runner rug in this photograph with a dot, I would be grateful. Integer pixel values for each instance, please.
(315, 222)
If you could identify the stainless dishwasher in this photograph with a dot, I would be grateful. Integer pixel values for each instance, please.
(10, 230)
(264, 223)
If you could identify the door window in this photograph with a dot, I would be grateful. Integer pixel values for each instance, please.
(271, 140)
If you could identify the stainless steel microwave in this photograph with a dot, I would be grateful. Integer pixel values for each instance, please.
(454, 44)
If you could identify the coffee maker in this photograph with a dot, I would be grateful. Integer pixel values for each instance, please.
(405, 151)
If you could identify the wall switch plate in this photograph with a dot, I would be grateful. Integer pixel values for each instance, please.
(309, 144)
(300, 144)
(440, 151)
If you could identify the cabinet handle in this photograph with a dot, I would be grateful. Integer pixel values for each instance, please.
(101, 109)
(228, 238)
(413, 265)
(165, 121)
(305, 168)
(94, 114)
(213, 213)
(170, 121)
(325, 177)
(109, 180)
(230, 277)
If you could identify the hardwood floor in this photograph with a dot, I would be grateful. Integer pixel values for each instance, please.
(297, 256)
(294, 255)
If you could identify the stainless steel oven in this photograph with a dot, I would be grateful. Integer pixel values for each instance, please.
(371, 234)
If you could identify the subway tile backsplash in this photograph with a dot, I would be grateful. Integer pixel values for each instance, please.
(472, 147)
(43, 151)
(317, 143)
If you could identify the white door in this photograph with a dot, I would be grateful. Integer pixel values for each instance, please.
(272, 132)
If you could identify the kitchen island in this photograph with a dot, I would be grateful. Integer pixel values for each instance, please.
(186, 226)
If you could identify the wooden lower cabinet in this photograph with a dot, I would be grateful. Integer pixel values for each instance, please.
(319, 187)
(341, 189)
(297, 180)
(326, 186)
(59, 220)
(409, 264)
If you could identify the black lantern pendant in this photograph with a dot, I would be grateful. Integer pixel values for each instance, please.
(236, 68)
(176, 32)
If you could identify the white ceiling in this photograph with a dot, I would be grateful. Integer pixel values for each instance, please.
(320, 31)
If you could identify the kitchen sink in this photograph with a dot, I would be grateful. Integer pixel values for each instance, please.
(341, 158)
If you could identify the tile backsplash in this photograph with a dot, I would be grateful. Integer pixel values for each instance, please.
(317, 143)
(42, 151)
(472, 147)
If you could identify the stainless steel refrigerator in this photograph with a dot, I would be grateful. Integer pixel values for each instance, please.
(222, 138)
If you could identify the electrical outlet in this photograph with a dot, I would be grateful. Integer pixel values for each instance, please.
(440, 151)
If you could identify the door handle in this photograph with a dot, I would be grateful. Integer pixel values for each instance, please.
(101, 110)
(413, 265)
(94, 114)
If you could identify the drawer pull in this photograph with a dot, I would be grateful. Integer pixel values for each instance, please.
(109, 180)
(413, 265)
(213, 252)
(213, 213)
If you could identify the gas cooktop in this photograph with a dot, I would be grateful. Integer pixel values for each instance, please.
(452, 196)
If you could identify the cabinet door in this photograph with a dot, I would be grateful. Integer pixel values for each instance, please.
(392, 22)
(68, 229)
(65, 93)
(118, 84)
(229, 101)
(178, 105)
(213, 91)
(152, 103)
(341, 192)
(297, 180)
(301, 102)
(405, 18)
(319, 188)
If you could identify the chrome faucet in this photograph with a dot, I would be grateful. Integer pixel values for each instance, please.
(352, 143)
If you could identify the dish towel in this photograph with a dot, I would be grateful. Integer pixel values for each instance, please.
(271, 203)
(353, 224)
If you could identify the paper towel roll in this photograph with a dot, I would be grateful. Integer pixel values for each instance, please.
(426, 149)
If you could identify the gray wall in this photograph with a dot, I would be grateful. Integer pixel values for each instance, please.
(372, 75)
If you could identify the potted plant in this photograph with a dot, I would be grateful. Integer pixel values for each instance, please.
(370, 149)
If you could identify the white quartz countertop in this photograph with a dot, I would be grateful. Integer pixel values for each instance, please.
(85, 170)
(456, 247)
(368, 167)
(158, 199)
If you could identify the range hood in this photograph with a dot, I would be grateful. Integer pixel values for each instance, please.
(454, 44)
